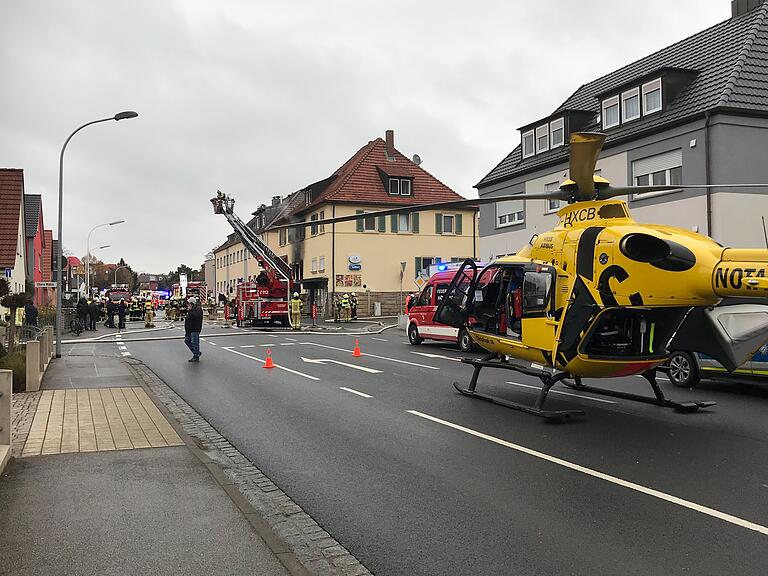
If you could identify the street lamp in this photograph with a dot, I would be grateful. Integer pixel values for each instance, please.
(88, 278)
(119, 268)
(119, 116)
(88, 253)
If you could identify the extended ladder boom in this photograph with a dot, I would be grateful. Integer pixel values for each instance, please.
(224, 204)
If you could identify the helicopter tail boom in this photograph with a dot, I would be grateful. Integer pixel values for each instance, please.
(741, 272)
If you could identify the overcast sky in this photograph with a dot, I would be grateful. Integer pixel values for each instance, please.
(262, 98)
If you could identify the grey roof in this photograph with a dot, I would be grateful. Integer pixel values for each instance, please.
(732, 63)
(33, 203)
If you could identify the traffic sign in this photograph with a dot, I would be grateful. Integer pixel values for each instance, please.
(420, 281)
(45, 284)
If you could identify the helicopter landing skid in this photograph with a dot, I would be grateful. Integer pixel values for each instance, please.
(547, 379)
(659, 399)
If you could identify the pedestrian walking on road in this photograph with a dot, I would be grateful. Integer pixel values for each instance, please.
(122, 308)
(93, 314)
(193, 325)
(296, 311)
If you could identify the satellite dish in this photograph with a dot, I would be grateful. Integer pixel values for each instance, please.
(416, 159)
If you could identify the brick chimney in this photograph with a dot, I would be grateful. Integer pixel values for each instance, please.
(741, 7)
(275, 200)
(390, 144)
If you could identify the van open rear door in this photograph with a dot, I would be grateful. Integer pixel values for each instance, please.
(455, 306)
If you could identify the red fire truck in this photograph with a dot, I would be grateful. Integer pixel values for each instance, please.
(265, 299)
(198, 289)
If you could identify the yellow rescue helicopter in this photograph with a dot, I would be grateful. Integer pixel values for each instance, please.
(602, 296)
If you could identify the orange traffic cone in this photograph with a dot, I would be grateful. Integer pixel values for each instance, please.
(269, 363)
(356, 352)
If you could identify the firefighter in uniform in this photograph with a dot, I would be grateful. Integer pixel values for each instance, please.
(296, 311)
(345, 306)
(149, 314)
(353, 305)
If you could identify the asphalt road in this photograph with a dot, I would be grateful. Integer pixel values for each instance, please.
(414, 478)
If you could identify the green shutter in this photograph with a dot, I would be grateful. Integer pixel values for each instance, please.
(438, 223)
(393, 221)
(415, 222)
(457, 225)
(382, 223)
(359, 220)
(418, 266)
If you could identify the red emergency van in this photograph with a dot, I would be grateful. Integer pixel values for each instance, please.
(421, 324)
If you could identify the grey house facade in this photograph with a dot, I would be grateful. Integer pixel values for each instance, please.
(695, 112)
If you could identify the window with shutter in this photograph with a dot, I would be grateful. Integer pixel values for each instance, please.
(382, 224)
(393, 222)
(438, 223)
(415, 222)
(359, 221)
(457, 224)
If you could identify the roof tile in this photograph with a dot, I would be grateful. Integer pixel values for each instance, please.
(11, 194)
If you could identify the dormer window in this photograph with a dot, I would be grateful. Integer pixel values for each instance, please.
(630, 105)
(399, 187)
(556, 133)
(307, 197)
(610, 112)
(652, 96)
(528, 144)
(542, 138)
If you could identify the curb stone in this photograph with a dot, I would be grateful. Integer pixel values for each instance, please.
(294, 537)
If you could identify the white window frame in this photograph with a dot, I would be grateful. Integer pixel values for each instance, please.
(634, 92)
(542, 132)
(409, 221)
(665, 167)
(610, 103)
(532, 151)
(321, 227)
(551, 187)
(517, 217)
(555, 125)
(365, 223)
(395, 181)
(321, 264)
(405, 183)
(453, 224)
(651, 87)
(313, 228)
(313, 269)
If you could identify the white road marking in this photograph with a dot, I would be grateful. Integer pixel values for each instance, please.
(249, 346)
(267, 345)
(380, 339)
(122, 347)
(229, 349)
(371, 355)
(657, 377)
(213, 343)
(324, 360)
(291, 339)
(602, 476)
(437, 356)
(355, 392)
(563, 392)
(288, 344)
(203, 340)
(125, 353)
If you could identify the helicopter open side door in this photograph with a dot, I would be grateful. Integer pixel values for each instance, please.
(456, 305)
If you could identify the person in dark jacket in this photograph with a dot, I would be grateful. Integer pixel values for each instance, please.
(30, 314)
(193, 325)
(82, 311)
(93, 311)
(122, 308)
(111, 311)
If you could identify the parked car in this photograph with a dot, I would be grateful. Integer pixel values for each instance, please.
(421, 315)
(686, 369)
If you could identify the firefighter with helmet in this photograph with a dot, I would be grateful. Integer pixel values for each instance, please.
(353, 305)
(296, 311)
(149, 314)
(345, 306)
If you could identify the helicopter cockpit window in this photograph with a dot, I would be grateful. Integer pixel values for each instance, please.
(536, 291)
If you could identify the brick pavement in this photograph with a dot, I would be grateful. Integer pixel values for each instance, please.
(24, 405)
(313, 546)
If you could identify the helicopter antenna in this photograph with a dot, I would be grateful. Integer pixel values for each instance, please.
(764, 232)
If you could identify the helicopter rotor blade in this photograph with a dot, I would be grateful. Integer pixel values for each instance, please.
(584, 149)
(613, 191)
(457, 204)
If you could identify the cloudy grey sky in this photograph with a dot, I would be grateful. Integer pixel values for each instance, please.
(261, 98)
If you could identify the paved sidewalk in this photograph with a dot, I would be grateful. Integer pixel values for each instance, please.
(130, 498)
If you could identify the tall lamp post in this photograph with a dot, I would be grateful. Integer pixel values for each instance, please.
(88, 253)
(119, 268)
(119, 116)
(88, 278)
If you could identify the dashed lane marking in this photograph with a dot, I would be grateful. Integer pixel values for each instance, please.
(428, 355)
(122, 347)
(563, 392)
(213, 343)
(380, 339)
(125, 353)
(249, 346)
(288, 344)
(355, 392)
(229, 349)
(371, 355)
(291, 339)
(267, 345)
(602, 476)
